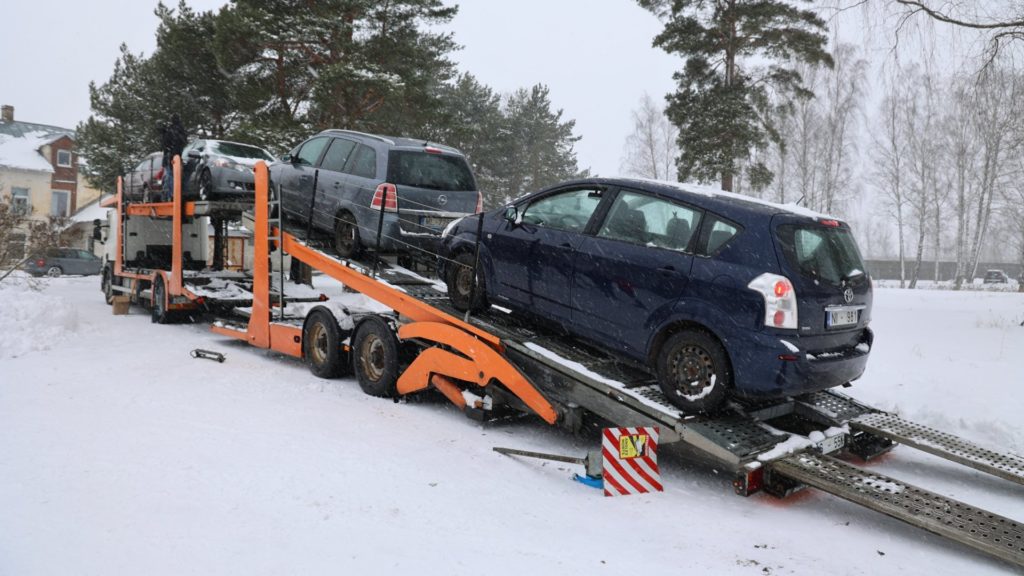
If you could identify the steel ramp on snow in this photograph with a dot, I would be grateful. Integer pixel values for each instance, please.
(1004, 465)
(982, 530)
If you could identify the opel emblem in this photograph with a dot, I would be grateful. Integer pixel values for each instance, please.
(442, 200)
(848, 295)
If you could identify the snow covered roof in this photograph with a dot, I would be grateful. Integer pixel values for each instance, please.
(90, 212)
(20, 143)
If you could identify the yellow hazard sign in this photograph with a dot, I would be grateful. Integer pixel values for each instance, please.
(632, 445)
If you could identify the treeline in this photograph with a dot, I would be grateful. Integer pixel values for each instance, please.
(929, 172)
(274, 72)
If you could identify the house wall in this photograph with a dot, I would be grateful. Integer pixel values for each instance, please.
(38, 184)
(63, 178)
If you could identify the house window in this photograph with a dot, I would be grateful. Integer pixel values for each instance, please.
(59, 203)
(20, 201)
(64, 158)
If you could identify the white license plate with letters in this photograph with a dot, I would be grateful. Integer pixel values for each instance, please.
(837, 317)
(831, 444)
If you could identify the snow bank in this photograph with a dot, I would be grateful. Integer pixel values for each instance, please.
(32, 320)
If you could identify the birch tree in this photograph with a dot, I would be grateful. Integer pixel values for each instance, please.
(650, 150)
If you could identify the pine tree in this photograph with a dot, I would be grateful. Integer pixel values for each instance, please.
(723, 89)
(539, 150)
(471, 120)
(358, 64)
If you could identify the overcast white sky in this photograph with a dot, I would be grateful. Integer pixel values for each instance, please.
(595, 55)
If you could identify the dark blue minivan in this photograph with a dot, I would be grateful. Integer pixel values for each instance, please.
(715, 293)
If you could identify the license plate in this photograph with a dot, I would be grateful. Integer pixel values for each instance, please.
(831, 444)
(434, 222)
(842, 317)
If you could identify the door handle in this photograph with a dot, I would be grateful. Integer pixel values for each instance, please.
(565, 245)
(667, 270)
(337, 184)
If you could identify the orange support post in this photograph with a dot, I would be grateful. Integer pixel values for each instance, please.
(176, 264)
(259, 320)
(118, 256)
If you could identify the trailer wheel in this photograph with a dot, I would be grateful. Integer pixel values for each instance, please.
(460, 284)
(375, 357)
(159, 313)
(693, 371)
(106, 284)
(346, 235)
(321, 344)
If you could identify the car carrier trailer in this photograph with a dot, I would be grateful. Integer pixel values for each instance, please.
(495, 362)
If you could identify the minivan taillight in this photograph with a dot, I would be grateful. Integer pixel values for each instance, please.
(388, 194)
(479, 202)
(780, 310)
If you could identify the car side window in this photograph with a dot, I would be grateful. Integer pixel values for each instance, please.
(310, 151)
(570, 210)
(719, 234)
(649, 220)
(337, 155)
(363, 162)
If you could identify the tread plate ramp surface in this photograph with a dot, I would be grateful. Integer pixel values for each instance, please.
(984, 531)
(1002, 464)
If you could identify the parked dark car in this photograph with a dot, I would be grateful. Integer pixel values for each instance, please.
(419, 186)
(144, 183)
(57, 261)
(995, 277)
(715, 293)
(218, 169)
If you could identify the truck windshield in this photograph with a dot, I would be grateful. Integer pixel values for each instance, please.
(824, 253)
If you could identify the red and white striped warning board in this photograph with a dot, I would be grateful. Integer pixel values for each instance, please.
(630, 461)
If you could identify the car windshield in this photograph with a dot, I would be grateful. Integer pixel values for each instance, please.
(425, 170)
(240, 151)
(824, 253)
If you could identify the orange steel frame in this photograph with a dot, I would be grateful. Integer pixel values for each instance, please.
(480, 356)
(177, 210)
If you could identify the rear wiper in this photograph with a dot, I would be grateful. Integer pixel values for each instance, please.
(852, 274)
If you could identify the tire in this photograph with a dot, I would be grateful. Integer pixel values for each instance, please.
(460, 284)
(106, 284)
(321, 344)
(159, 313)
(375, 357)
(693, 371)
(346, 235)
(205, 191)
(54, 271)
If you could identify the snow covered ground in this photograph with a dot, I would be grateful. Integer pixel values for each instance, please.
(120, 454)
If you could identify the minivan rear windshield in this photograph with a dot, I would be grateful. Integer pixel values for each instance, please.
(426, 170)
(824, 253)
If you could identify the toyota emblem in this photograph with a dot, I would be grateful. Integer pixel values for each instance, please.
(848, 295)
(442, 200)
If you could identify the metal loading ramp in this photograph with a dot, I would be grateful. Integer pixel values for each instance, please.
(986, 532)
(1002, 464)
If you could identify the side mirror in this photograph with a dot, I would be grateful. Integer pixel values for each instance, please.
(511, 214)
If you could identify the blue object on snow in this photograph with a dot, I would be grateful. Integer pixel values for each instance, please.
(589, 481)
